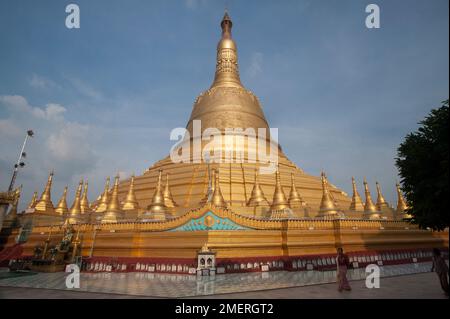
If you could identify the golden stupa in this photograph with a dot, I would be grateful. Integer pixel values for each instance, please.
(236, 207)
(228, 104)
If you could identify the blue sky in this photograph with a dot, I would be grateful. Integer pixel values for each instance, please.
(104, 98)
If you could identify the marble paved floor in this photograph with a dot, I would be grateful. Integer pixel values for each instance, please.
(176, 286)
(416, 286)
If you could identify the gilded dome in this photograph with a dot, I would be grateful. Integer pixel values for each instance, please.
(228, 107)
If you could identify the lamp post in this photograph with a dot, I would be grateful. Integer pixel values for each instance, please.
(20, 163)
(4, 206)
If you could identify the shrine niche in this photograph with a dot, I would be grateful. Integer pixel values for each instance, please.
(206, 262)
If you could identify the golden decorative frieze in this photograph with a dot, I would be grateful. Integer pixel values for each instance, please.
(245, 221)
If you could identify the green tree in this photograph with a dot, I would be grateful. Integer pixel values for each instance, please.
(423, 165)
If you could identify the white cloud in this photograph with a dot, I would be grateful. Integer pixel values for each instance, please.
(54, 111)
(51, 112)
(85, 89)
(255, 67)
(17, 103)
(40, 82)
(73, 149)
(123, 175)
(8, 128)
(58, 144)
(70, 143)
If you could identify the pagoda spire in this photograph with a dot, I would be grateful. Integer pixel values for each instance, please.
(210, 190)
(62, 209)
(104, 200)
(327, 208)
(33, 201)
(227, 103)
(75, 209)
(130, 202)
(295, 200)
(113, 205)
(226, 25)
(257, 197)
(279, 201)
(368, 206)
(84, 203)
(227, 69)
(113, 211)
(401, 203)
(381, 202)
(356, 204)
(44, 204)
(168, 198)
(370, 210)
(157, 207)
(217, 199)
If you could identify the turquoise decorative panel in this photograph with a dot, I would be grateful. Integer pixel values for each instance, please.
(209, 221)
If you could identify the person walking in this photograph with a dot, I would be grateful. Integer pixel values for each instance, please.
(342, 263)
(440, 267)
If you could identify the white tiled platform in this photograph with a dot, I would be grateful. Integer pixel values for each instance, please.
(172, 286)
